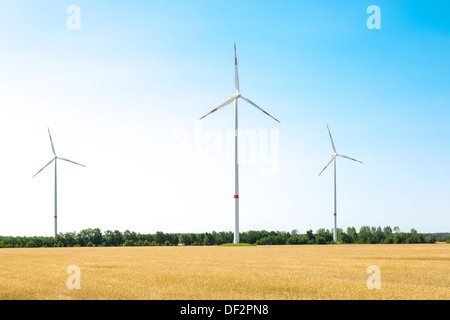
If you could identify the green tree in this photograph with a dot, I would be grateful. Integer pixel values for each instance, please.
(353, 235)
(96, 237)
(31, 244)
(108, 238)
(182, 239)
(220, 239)
(364, 233)
(293, 240)
(389, 239)
(345, 238)
(326, 234)
(118, 238)
(387, 231)
(206, 240)
(371, 239)
(160, 238)
(310, 236)
(48, 242)
(82, 238)
(420, 238)
(431, 238)
(303, 239)
(69, 239)
(320, 239)
(379, 235)
(131, 235)
(8, 242)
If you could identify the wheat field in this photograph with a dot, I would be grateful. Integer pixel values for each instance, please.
(407, 271)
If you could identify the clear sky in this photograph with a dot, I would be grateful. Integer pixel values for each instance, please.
(123, 95)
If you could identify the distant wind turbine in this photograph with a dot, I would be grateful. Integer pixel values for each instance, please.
(235, 98)
(54, 159)
(333, 159)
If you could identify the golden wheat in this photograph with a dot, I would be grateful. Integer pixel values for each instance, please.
(407, 271)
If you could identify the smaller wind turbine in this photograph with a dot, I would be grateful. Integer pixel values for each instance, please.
(54, 159)
(333, 159)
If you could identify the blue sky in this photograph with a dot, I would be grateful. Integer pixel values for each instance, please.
(124, 93)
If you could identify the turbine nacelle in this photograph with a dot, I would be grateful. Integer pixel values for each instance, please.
(55, 156)
(335, 154)
(238, 95)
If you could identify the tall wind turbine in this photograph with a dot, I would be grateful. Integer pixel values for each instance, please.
(54, 159)
(235, 98)
(333, 159)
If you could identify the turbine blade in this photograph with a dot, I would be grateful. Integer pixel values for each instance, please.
(341, 155)
(236, 75)
(45, 166)
(333, 158)
(253, 104)
(51, 141)
(332, 143)
(221, 106)
(72, 161)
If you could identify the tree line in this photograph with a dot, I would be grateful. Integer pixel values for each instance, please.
(94, 237)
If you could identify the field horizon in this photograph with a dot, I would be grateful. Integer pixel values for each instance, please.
(286, 272)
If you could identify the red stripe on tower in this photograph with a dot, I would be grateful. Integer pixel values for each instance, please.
(334, 214)
(236, 196)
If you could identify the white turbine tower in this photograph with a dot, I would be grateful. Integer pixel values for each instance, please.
(333, 159)
(235, 98)
(54, 159)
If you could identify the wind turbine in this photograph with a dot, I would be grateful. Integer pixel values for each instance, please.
(333, 159)
(235, 98)
(54, 159)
